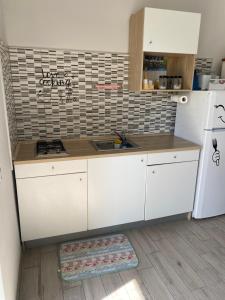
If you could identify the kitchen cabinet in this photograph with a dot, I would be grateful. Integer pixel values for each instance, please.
(116, 190)
(170, 186)
(68, 196)
(171, 34)
(170, 31)
(51, 204)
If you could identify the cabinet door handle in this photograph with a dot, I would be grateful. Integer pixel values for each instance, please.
(150, 42)
(142, 160)
(80, 179)
(175, 156)
(53, 168)
(153, 172)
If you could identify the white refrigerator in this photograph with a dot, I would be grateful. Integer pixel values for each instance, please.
(202, 121)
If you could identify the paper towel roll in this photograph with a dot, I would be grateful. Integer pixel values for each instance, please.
(179, 99)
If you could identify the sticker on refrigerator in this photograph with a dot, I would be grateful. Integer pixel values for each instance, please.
(221, 110)
(216, 154)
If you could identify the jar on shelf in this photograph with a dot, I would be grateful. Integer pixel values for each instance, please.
(145, 84)
(150, 85)
(170, 82)
(162, 82)
(177, 82)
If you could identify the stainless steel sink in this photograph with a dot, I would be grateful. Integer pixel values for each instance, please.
(108, 145)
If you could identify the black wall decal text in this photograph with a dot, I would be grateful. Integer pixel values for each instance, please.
(56, 85)
(55, 79)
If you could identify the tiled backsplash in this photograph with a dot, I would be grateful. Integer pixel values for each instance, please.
(42, 112)
(55, 95)
(204, 65)
(5, 59)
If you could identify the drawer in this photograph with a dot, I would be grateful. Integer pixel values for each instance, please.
(50, 168)
(172, 157)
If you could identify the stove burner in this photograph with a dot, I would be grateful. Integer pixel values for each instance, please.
(54, 147)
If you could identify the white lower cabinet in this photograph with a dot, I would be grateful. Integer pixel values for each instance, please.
(73, 196)
(170, 189)
(52, 205)
(116, 190)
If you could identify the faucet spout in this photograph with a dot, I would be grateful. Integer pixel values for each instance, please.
(122, 136)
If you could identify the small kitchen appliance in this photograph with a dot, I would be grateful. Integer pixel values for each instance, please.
(48, 148)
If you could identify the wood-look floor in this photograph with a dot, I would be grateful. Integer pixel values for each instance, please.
(178, 260)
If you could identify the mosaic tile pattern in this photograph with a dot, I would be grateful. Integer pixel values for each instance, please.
(204, 65)
(80, 109)
(5, 59)
(69, 104)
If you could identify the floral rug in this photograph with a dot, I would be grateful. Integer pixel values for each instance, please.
(96, 256)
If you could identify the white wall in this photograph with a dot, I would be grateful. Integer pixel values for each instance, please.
(9, 234)
(102, 25)
(79, 24)
(2, 29)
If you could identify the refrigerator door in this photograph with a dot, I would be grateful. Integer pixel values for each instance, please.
(216, 111)
(210, 190)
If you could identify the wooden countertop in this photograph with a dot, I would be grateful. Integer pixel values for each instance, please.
(83, 149)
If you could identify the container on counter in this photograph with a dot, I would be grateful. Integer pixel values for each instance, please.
(117, 144)
(217, 84)
(204, 80)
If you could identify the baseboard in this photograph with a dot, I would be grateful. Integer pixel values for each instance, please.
(95, 232)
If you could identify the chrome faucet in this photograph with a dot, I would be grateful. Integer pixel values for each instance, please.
(122, 136)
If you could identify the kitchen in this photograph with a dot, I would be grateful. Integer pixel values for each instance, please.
(95, 155)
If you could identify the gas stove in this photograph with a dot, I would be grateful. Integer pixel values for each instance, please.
(50, 148)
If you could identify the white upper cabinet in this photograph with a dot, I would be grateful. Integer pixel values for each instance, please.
(170, 31)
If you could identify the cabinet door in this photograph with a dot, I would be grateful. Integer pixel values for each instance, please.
(170, 31)
(52, 205)
(170, 189)
(116, 190)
